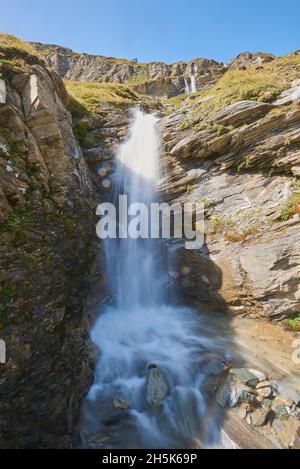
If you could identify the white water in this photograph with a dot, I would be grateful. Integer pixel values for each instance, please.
(141, 326)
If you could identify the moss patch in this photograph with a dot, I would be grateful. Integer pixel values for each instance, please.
(263, 83)
(94, 96)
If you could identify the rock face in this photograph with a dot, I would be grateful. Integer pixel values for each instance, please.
(47, 226)
(156, 78)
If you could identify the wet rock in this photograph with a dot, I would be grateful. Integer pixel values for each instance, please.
(156, 386)
(241, 412)
(245, 376)
(245, 59)
(259, 417)
(119, 402)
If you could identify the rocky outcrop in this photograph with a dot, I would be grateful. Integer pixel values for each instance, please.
(155, 78)
(258, 402)
(47, 228)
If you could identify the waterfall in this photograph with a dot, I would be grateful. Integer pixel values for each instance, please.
(141, 326)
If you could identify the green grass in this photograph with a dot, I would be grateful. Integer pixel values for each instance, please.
(93, 96)
(293, 324)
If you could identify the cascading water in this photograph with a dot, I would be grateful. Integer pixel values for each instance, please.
(141, 327)
(192, 86)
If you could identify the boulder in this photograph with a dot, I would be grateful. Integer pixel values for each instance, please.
(241, 112)
(156, 386)
(245, 376)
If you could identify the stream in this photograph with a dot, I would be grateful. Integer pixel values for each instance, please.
(158, 360)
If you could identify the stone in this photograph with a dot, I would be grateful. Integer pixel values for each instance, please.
(264, 384)
(156, 386)
(267, 403)
(161, 79)
(259, 417)
(287, 432)
(2, 92)
(289, 96)
(245, 376)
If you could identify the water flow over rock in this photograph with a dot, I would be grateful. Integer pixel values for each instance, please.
(141, 329)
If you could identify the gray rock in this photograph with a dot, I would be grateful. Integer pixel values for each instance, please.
(156, 386)
(267, 403)
(259, 417)
(245, 376)
(241, 412)
(287, 432)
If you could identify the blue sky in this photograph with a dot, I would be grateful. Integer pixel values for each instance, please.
(167, 30)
